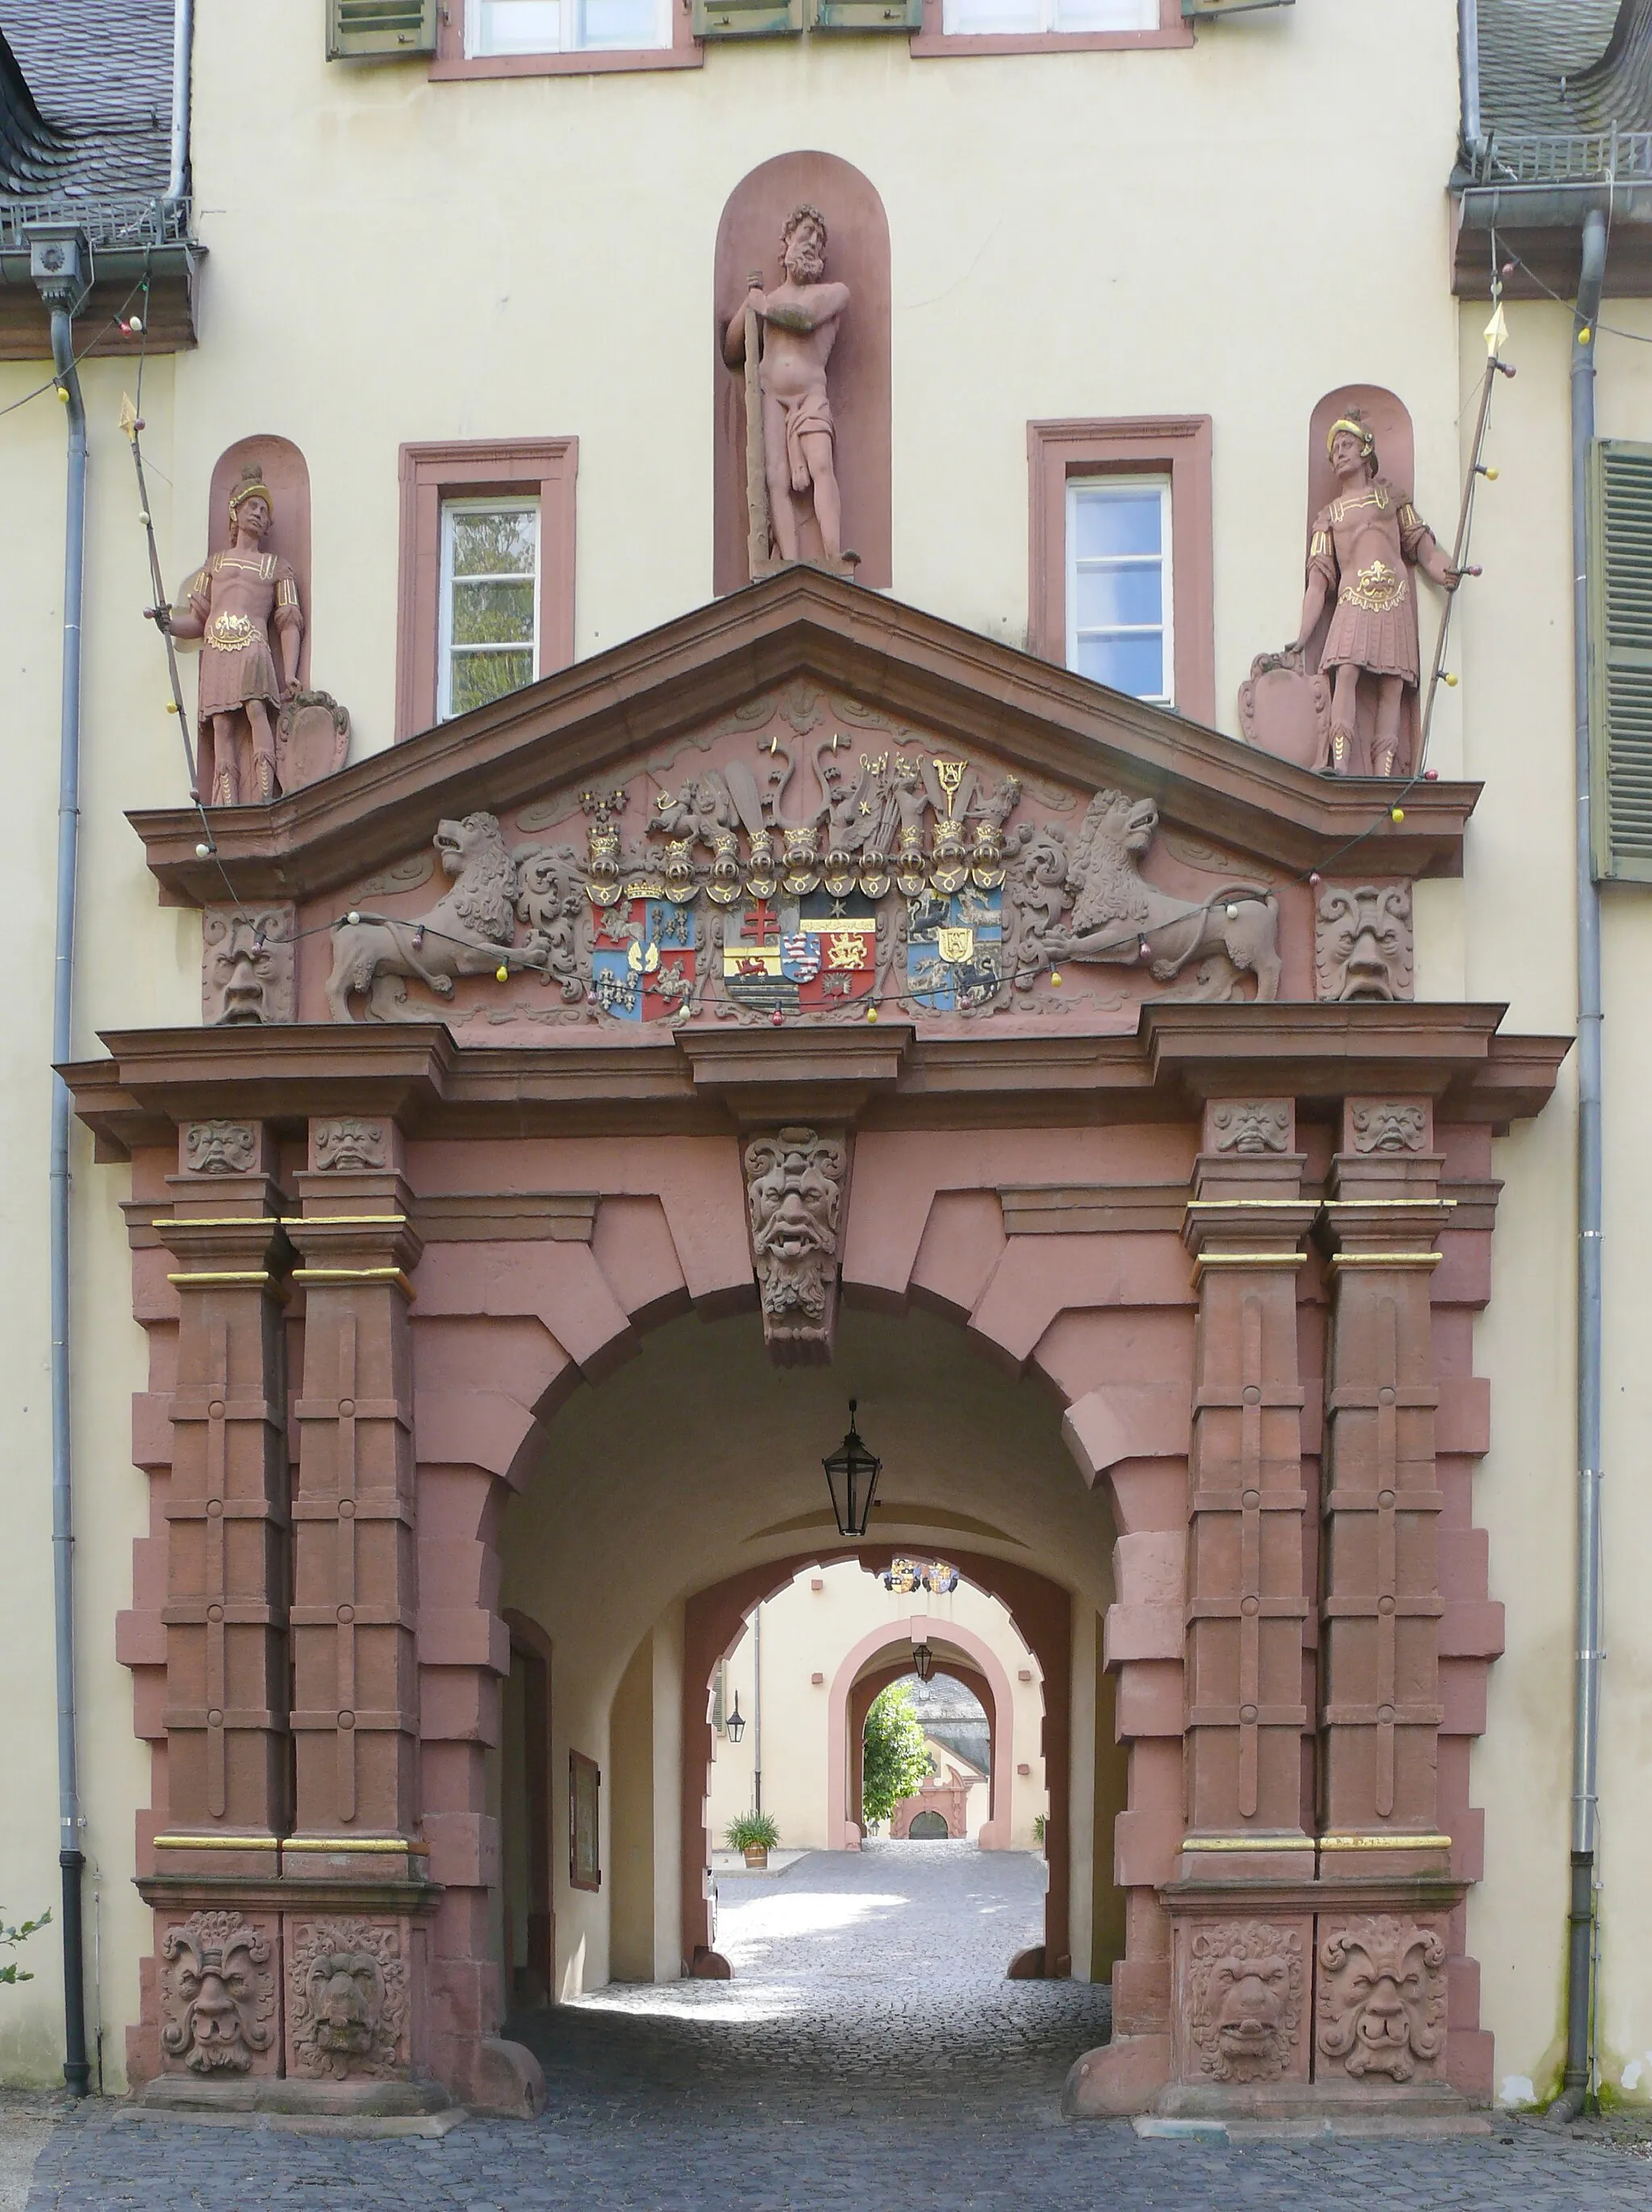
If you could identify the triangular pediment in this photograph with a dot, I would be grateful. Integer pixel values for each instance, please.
(804, 800)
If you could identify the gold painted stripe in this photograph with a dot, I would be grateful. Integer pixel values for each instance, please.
(1200, 1205)
(223, 1275)
(1384, 1843)
(353, 1275)
(1332, 1204)
(1252, 1259)
(1247, 1843)
(217, 1843)
(355, 1220)
(354, 1843)
(1386, 1260)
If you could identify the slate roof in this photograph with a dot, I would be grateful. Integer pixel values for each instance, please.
(1566, 69)
(85, 99)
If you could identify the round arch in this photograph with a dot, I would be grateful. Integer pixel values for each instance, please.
(864, 1690)
(920, 1628)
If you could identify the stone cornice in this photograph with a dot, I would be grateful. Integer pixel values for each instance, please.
(891, 1078)
(652, 690)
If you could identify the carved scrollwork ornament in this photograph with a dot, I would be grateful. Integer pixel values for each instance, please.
(218, 1998)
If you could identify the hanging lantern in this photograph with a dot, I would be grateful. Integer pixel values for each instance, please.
(734, 1727)
(852, 1473)
(923, 1662)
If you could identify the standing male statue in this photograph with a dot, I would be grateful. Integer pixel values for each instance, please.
(231, 604)
(1363, 547)
(794, 328)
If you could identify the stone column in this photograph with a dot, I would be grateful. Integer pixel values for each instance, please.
(1381, 1606)
(1241, 1909)
(227, 1510)
(209, 1992)
(355, 1709)
(1246, 1601)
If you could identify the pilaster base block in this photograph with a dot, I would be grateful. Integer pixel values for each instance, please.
(1122, 2077)
(387, 2099)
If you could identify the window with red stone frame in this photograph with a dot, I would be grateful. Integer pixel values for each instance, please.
(543, 469)
(1145, 446)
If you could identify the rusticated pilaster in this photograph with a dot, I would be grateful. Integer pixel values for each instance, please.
(226, 1710)
(1381, 1603)
(356, 1715)
(1246, 1602)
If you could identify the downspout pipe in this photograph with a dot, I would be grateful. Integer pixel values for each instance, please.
(183, 41)
(76, 2069)
(1468, 65)
(1586, 1719)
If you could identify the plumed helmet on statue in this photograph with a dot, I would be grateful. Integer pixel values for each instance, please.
(251, 486)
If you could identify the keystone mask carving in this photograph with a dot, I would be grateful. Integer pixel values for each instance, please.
(220, 1148)
(1245, 1995)
(1383, 1998)
(246, 965)
(1361, 942)
(217, 1998)
(794, 1191)
(346, 1997)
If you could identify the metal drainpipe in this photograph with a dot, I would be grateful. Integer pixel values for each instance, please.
(1587, 1688)
(183, 39)
(76, 2071)
(1469, 57)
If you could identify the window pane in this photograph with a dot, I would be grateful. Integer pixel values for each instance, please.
(493, 614)
(479, 677)
(1107, 597)
(1107, 14)
(1117, 522)
(978, 16)
(619, 23)
(496, 544)
(1135, 664)
(518, 27)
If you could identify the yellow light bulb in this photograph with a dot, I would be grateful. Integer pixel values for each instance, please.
(1055, 977)
(1397, 813)
(501, 974)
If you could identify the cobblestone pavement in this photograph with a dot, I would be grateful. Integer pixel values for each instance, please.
(868, 2051)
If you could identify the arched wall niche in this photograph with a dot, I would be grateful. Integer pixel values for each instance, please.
(283, 468)
(857, 379)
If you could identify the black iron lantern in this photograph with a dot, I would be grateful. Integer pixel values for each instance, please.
(734, 1726)
(923, 1662)
(852, 1473)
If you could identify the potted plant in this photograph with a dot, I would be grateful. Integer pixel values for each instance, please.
(756, 1834)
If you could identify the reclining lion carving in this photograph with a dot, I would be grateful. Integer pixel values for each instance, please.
(1120, 918)
(462, 934)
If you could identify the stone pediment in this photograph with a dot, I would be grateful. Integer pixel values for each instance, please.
(807, 803)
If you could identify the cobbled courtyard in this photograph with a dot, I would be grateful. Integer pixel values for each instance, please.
(868, 2052)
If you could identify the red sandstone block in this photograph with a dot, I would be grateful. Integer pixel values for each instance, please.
(1142, 1631)
(469, 1428)
(151, 1430)
(1470, 2059)
(1462, 1421)
(464, 1848)
(150, 1703)
(1462, 1994)
(1141, 1996)
(142, 2055)
(464, 1635)
(140, 1639)
(1145, 1847)
(457, 1703)
(1121, 2078)
(1462, 1696)
(1464, 1563)
(1150, 1698)
(1134, 1421)
(1472, 1629)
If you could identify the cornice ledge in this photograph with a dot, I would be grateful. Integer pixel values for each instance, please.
(824, 1074)
(651, 690)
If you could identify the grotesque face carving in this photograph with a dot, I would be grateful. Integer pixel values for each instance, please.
(1389, 1126)
(1361, 942)
(794, 1191)
(220, 1148)
(1244, 1990)
(1251, 1126)
(349, 1144)
(247, 974)
(347, 1992)
(218, 1998)
(1383, 1998)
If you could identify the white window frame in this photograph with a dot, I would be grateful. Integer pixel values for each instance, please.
(1117, 481)
(450, 509)
(568, 16)
(1145, 12)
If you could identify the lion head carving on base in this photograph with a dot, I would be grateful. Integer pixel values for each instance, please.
(1245, 1994)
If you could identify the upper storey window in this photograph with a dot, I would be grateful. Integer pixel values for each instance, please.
(1119, 596)
(490, 641)
(496, 29)
(976, 18)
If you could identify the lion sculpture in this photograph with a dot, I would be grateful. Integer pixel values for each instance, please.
(462, 934)
(1120, 918)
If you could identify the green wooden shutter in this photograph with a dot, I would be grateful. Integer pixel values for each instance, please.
(388, 29)
(1620, 650)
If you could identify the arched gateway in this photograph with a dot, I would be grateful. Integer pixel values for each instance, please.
(815, 970)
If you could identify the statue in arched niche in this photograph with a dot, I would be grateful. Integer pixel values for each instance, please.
(1364, 544)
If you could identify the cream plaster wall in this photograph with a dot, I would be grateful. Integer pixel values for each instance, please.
(807, 1632)
(1093, 234)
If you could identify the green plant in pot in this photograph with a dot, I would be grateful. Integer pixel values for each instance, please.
(756, 1834)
